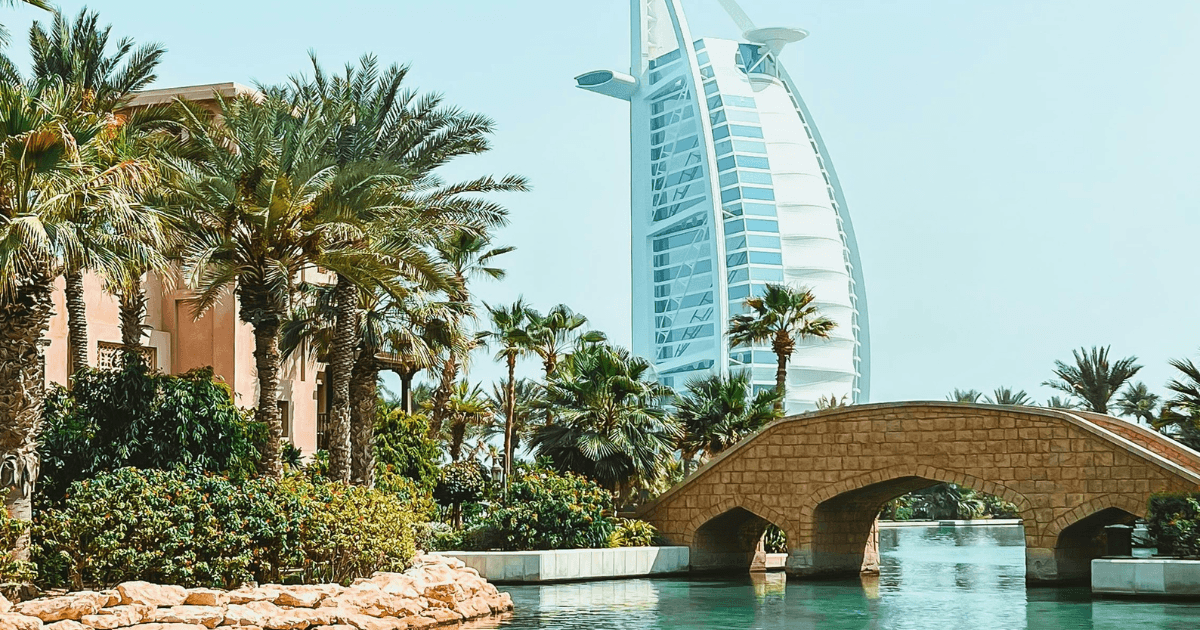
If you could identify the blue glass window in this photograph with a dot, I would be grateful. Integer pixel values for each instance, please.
(746, 131)
(734, 208)
(710, 87)
(724, 164)
(729, 179)
(734, 227)
(714, 102)
(724, 148)
(717, 117)
(762, 240)
(739, 275)
(765, 194)
(740, 101)
(720, 133)
(755, 177)
(766, 258)
(740, 292)
(741, 115)
(762, 225)
(737, 242)
(750, 161)
(734, 260)
(730, 195)
(702, 57)
(768, 275)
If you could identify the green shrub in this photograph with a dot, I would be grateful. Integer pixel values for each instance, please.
(629, 532)
(12, 570)
(546, 510)
(438, 536)
(193, 529)
(132, 417)
(1174, 523)
(403, 448)
(774, 539)
(460, 482)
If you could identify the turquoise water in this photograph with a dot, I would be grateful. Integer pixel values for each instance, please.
(930, 578)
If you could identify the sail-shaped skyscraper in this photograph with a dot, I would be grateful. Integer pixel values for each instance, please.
(732, 189)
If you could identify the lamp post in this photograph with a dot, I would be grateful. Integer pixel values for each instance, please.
(498, 471)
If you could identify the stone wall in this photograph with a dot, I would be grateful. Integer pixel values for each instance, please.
(435, 591)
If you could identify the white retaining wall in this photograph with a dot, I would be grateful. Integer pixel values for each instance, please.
(563, 565)
(1162, 577)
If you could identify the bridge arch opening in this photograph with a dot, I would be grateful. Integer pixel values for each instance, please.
(1084, 540)
(844, 527)
(731, 542)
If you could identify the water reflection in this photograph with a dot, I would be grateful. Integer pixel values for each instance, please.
(930, 577)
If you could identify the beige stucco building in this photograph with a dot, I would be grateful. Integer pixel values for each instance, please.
(178, 341)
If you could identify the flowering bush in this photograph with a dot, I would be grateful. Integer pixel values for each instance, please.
(1175, 523)
(628, 532)
(195, 529)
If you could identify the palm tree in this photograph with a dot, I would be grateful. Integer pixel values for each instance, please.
(525, 419)
(469, 256)
(1006, 396)
(611, 423)
(1093, 378)
(1138, 401)
(552, 335)
(382, 128)
(4, 35)
(1181, 413)
(469, 410)
(1058, 402)
(782, 316)
(718, 412)
(78, 55)
(253, 206)
(964, 395)
(41, 171)
(508, 332)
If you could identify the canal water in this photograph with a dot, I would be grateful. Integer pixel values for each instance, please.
(942, 578)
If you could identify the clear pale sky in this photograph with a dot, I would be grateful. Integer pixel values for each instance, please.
(1022, 174)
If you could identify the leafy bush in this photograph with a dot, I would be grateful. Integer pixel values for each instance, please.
(775, 540)
(438, 536)
(1175, 523)
(12, 570)
(546, 510)
(402, 447)
(460, 482)
(628, 532)
(193, 529)
(112, 419)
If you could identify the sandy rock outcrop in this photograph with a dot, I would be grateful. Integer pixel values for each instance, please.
(436, 591)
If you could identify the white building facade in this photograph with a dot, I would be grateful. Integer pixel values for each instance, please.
(732, 188)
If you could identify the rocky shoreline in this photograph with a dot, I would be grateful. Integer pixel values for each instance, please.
(436, 591)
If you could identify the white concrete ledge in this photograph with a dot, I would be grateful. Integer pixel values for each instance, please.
(570, 565)
(982, 522)
(1148, 577)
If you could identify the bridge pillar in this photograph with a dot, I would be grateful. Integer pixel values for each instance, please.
(1041, 565)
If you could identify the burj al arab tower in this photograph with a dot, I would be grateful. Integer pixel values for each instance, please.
(732, 189)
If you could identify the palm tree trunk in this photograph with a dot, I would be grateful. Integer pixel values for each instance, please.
(510, 410)
(133, 317)
(781, 381)
(364, 391)
(441, 396)
(77, 338)
(458, 433)
(23, 321)
(341, 365)
(267, 363)
(550, 363)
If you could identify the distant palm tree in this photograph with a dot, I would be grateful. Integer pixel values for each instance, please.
(611, 423)
(1058, 402)
(469, 409)
(526, 418)
(833, 401)
(1006, 396)
(1093, 378)
(1138, 401)
(508, 333)
(718, 412)
(554, 334)
(964, 395)
(782, 316)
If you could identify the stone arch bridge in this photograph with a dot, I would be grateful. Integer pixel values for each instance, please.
(823, 477)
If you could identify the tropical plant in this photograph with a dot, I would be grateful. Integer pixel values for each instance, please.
(964, 395)
(1006, 396)
(719, 411)
(402, 447)
(526, 417)
(509, 335)
(1174, 523)
(832, 401)
(41, 171)
(135, 417)
(631, 532)
(547, 510)
(1093, 378)
(1058, 402)
(254, 204)
(467, 411)
(1180, 415)
(1138, 401)
(78, 55)
(612, 425)
(458, 483)
(783, 316)
(554, 334)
